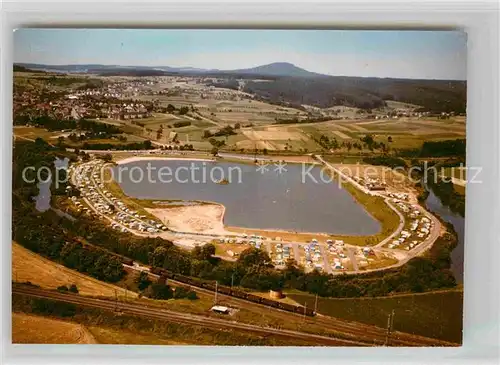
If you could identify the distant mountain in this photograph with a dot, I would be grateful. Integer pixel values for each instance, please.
(276, 69)
(292, 85)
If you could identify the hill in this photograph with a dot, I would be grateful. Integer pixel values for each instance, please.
(28, 266)
(294, 86)
(31, 329)
(276, 69)
(365, 93)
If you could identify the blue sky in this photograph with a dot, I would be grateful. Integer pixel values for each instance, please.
(405, 54)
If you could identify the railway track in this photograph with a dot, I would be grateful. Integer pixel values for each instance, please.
(197, 320)
(369, 333)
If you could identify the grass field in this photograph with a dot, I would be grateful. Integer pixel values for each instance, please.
(435, 314)
(28, 266)
(32, 133)
(406, 133)
(31, 329)
(113, 336)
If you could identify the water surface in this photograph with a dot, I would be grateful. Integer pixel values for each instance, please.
(433, 203)
(269, 200)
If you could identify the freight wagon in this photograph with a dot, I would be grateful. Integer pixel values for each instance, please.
(240, 294)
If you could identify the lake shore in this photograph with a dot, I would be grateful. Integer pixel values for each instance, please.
(206, 218)
(127, 160)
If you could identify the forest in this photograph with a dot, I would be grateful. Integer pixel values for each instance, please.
(365, 93)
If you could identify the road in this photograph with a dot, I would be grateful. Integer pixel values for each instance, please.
(352, 257)
(400, 226)
(419, 249)
(110, 202)
(408, 255)
(208, 120)
(296, 252)
(347, 177)
(327, 267)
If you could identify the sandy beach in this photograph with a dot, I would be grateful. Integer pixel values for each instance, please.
(150, 158)
(206, 218)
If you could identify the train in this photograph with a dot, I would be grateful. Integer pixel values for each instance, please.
(240, 294)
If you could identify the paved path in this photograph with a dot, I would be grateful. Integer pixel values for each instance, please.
(347, 177)
(352, 257)
(419, 249)
(269, 248)
(400, 226)
(327, 267)
(296, 252)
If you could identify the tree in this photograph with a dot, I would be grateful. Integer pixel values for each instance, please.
(389, 139)
(183, 110)
(170, 108)
(208, 250)
(159, 291)
(143, 280)
(107, 157)
(73, 288)
(62, 288)
(214, 151)
(254, 257)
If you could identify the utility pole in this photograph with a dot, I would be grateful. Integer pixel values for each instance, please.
(316, 304)
(305, 308)
(232, 280)
(116, 301)
(215, 298)
(390, 322)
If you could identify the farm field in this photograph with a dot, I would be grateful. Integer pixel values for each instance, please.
(395, 181)
(112, 336)
(32, 133)
(435, 314)
(29, 266)
(406, 133)
(32, 329)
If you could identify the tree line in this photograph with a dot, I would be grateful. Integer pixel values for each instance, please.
(44, 233)
(53, 124)
(364, 93)
(146, 145)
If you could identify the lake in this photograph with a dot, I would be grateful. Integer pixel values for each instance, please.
(292, 200)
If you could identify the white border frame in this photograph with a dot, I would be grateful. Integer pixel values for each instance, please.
(481, 274)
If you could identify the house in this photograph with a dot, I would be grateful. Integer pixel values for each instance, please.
(220, 309)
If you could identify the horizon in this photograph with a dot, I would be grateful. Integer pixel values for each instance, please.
(424, 55)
